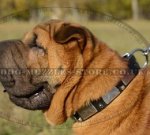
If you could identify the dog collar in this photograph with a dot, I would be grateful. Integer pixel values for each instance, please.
(96, 106)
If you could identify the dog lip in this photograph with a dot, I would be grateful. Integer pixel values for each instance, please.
(37, 90)
(37, 101)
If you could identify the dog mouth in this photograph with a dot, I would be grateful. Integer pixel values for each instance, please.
(20, 87)
(40, 99)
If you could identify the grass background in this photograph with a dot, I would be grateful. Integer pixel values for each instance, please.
(33, 123)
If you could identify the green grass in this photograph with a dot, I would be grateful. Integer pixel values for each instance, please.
(116, 37)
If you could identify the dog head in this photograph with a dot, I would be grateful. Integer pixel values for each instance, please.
(47, 57)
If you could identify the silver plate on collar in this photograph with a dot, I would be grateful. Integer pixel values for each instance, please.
(86, 112)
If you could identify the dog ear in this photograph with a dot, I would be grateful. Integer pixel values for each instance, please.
(68, 33)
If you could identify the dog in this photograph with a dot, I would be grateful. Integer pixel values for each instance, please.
(56, 63)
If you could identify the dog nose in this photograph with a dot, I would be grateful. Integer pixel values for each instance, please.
(7, 62)
(10, 61)
(8, 84)
(16, 80)
(8, 53)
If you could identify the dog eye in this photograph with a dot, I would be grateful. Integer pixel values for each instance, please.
(38, 46)
(34, 43)
(40, 50)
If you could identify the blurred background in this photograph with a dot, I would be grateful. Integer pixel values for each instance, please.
(122, 24)
(123, 9)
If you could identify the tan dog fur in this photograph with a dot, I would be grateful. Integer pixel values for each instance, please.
(128, 114)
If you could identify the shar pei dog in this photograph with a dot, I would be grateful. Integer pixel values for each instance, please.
(62, 69)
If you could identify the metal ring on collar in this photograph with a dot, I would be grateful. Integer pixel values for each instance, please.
(145, 53)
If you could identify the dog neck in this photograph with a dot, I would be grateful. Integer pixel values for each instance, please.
(98, 105)
(84, 107)
(93, 86)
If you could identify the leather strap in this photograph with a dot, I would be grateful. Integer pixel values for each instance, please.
(96, 106)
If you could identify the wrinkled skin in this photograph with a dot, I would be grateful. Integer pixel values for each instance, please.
(19, 81)
(40, 49)
(63, 47)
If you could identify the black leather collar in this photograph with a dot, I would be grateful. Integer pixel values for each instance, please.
(98, 105)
